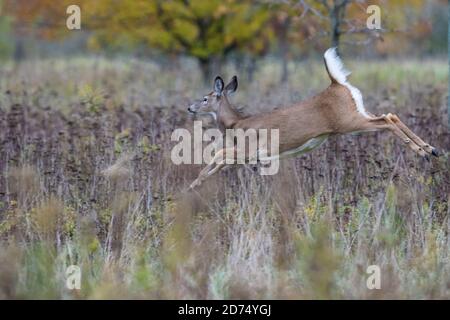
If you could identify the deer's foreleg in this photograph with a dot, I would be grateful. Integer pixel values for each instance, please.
(218, 162)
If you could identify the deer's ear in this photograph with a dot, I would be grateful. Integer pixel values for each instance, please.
(232, 86)
(218, 85)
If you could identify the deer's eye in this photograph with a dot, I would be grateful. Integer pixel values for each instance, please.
(205, 99)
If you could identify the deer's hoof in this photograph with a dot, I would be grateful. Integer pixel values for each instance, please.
(435, 152)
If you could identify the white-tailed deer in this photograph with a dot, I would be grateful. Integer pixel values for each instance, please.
(304, 126)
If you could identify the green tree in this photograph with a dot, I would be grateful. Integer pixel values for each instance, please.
(5, 34)
(206, 30)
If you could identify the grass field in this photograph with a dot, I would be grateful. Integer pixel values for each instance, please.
(70, 193)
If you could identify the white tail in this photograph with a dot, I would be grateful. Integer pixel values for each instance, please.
(335, 66)
(338, 72)
(339, 109)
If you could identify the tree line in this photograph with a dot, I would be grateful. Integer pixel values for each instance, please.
(214, 30)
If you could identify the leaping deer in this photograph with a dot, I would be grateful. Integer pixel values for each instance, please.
(339, 109)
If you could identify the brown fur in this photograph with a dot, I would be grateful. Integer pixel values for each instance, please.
(333, 111)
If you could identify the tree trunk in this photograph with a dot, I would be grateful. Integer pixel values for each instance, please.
(210, 68)
(337, 15)
(19, 50)
(205, 65)
(251, 68)
(284, 49)
(335, 34)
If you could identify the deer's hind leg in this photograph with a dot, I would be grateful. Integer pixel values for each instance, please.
(429, 149)
(385, 122)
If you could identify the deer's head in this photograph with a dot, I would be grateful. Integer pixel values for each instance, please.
(211, 102)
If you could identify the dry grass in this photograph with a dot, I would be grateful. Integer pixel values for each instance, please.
(86, 179)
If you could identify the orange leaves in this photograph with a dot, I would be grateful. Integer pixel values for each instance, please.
(44, 18)
(202, 29)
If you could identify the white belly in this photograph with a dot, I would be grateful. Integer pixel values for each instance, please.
(308, 146)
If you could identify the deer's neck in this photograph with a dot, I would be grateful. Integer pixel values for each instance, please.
(227, 116)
